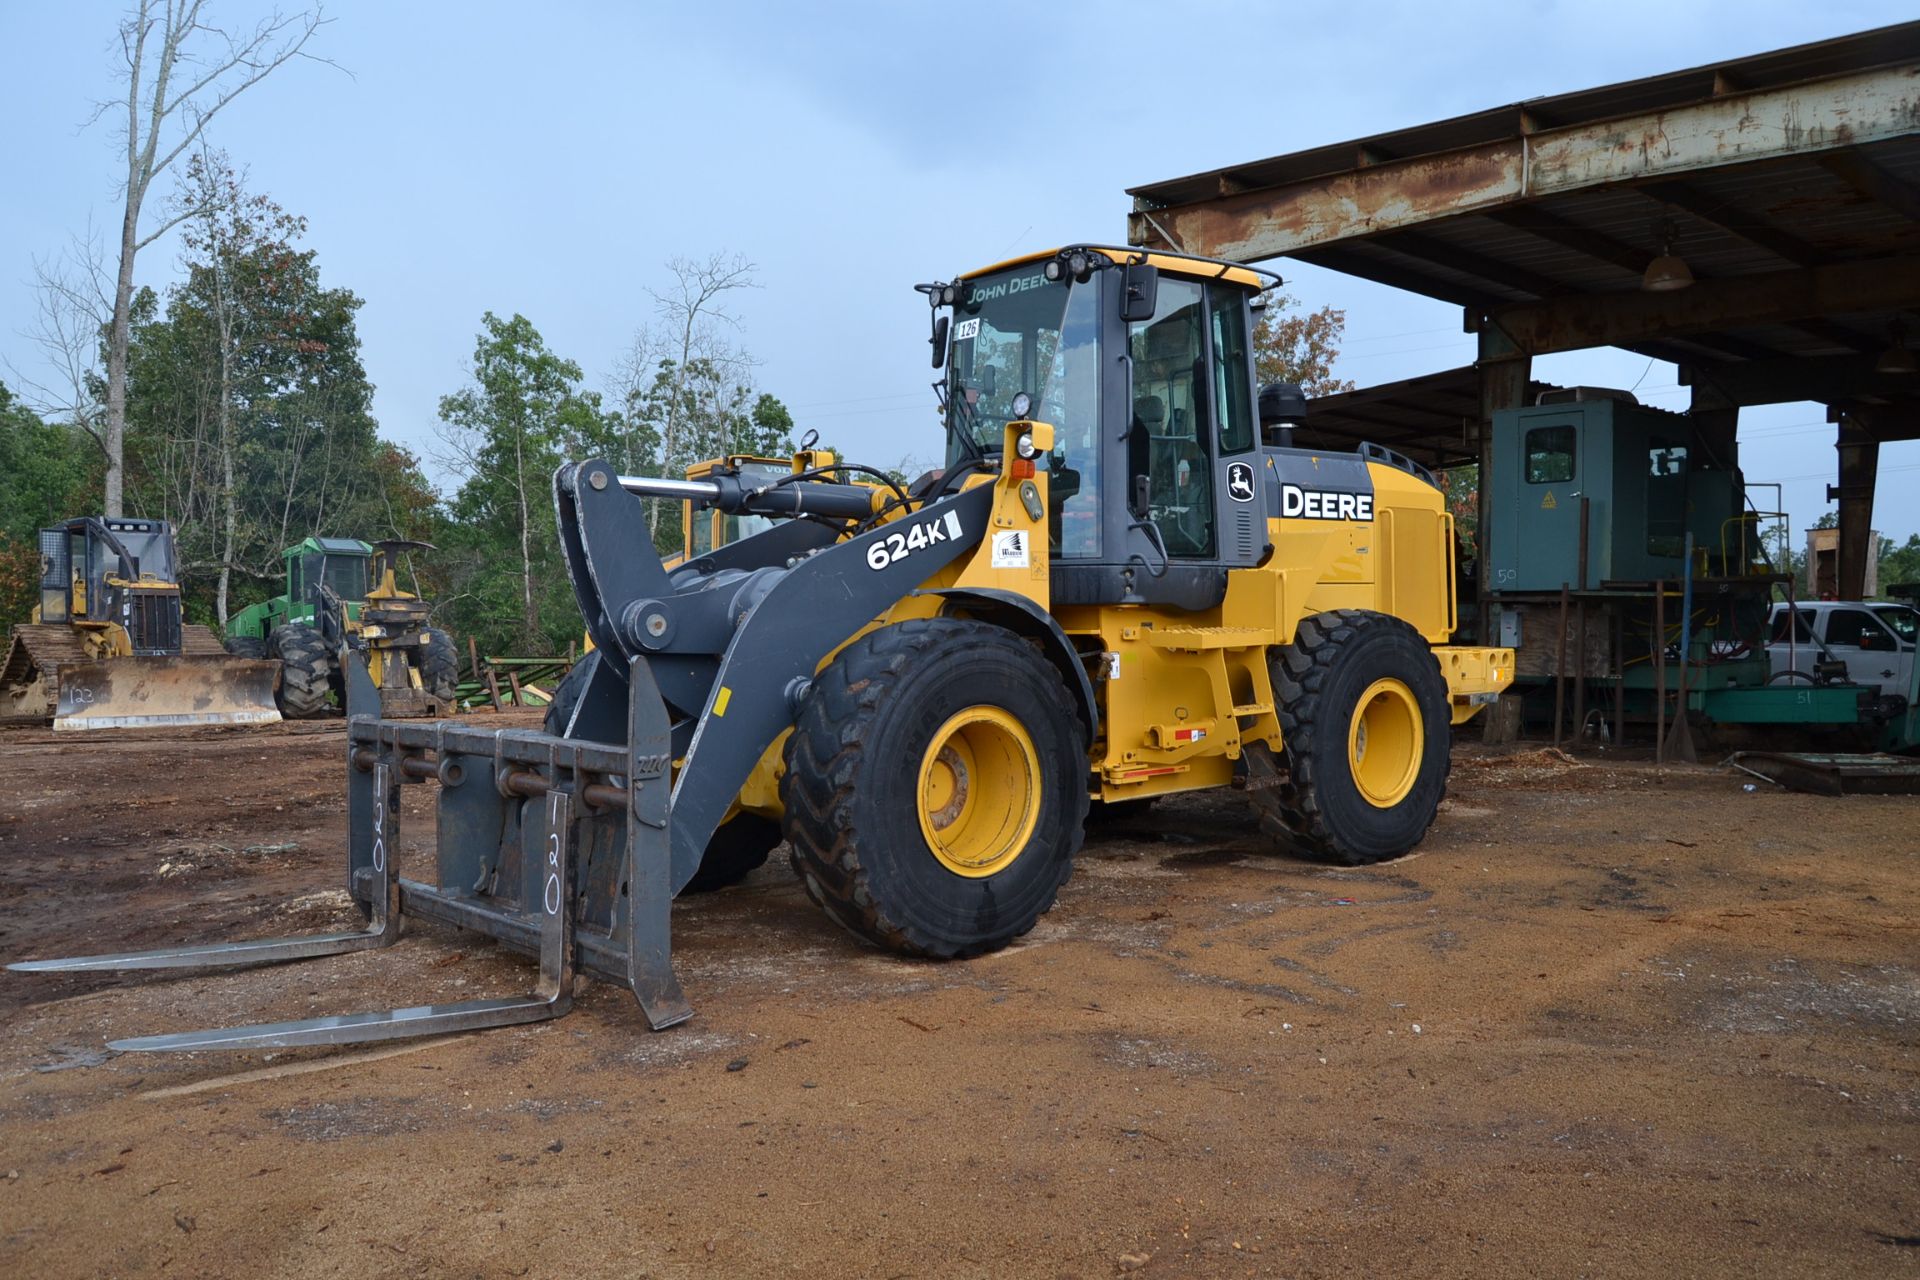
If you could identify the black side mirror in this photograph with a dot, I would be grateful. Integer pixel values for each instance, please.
(939, 342)
(1139, 292)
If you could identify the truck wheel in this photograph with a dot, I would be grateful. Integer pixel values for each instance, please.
(306, 671)
(247, 647)
(439, 666)
(936, 787)
(1366, 736)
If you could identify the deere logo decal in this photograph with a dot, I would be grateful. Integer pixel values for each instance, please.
(1240, 482)
(1323, 504)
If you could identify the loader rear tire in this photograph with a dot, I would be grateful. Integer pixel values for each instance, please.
(1366, 736)
(734, 852)
(247, 647)
(936, 787)
(439, 666)
(306, 671)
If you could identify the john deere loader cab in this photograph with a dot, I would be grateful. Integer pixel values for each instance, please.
(107, 646)
(1121, 585)
(1152, 493)
(343, 594)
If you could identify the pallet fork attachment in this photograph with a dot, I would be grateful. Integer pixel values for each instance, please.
(548, 797)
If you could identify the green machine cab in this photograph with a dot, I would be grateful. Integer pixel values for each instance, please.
(341, 593)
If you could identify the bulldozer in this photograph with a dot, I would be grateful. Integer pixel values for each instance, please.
(328, 609)
(106, 647)
(1125, 582)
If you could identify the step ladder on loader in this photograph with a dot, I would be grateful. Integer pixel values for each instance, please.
(553, 846)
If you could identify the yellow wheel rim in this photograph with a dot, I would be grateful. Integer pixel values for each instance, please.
(979, 791)
(1385, 743)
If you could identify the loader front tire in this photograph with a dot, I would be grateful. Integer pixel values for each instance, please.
(306, 671)
(936, 787)
(1366, 736)
(439, 666)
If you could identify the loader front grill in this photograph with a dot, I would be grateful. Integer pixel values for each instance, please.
(152, 620)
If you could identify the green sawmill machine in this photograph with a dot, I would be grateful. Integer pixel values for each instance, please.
(1635, 578)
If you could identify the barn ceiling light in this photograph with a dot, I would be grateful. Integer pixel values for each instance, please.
(1669, 271)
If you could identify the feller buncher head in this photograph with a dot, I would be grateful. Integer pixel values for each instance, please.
(107, 649)
(1123, 583)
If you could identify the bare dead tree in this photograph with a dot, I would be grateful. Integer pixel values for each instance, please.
(693, 312)
(73, 303)
(181, 72)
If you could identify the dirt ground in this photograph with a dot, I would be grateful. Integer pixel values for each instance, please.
(1608, 1020)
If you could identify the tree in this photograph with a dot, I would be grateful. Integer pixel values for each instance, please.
(1899, 562)
(1292, 346)
(682, 385)
(45, 472)
(250, 420)
(181, 72)
(508, 432)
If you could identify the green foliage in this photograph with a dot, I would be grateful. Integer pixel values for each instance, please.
(1899, 563)
(1294, 346)
(524, 414)
(47, 474)
(247, 398)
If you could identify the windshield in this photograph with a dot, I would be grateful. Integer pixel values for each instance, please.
(346, 574)
(1904, 621)
(1006, 332)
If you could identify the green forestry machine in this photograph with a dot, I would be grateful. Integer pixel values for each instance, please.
(1126, 582)
(328, 609)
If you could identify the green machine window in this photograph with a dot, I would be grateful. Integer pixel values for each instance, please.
(1667, 499)
(1170, 416)
(1550, 454)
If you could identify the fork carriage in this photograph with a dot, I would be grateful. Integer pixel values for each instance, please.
(552, 846)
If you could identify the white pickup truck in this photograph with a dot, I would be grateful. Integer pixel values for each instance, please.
(1874, 641)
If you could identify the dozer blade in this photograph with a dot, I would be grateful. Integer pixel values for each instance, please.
(133, 693)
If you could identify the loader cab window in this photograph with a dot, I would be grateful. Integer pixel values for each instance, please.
(1169, 436)
(1006, 333)
(1016, 332)
(1232, 368)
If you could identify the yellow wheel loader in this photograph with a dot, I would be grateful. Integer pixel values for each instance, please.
(106, 647)
(1124, 582)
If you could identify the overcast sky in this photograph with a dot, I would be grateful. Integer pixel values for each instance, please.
(549, 159)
